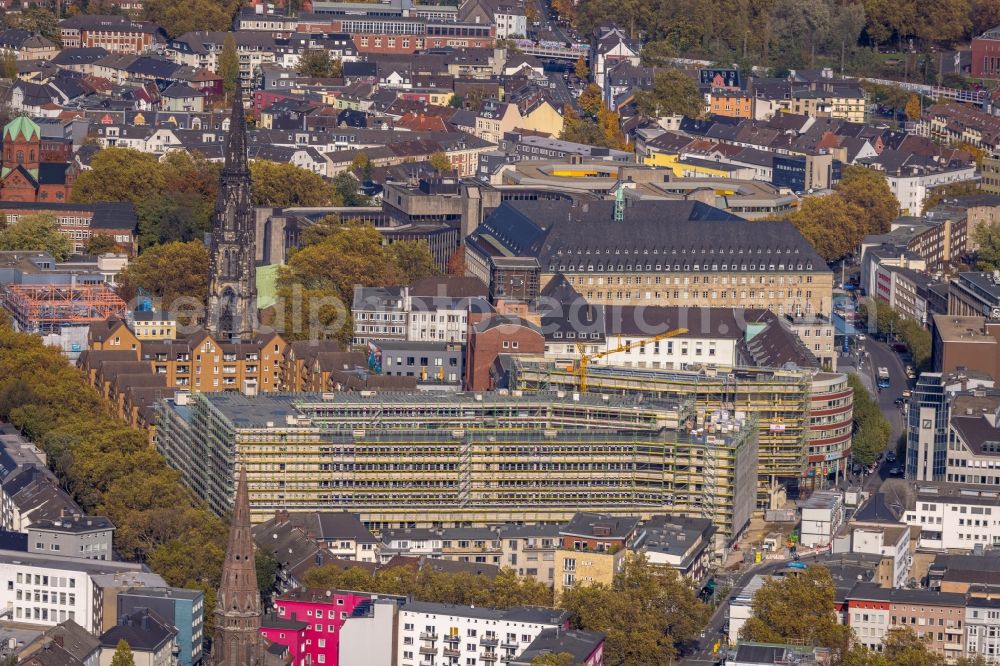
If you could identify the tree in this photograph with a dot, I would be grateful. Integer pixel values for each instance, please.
(8, 66)
(832, 225)
(414, 260)
(277, 184)
(645, 614)
(229, 66)
(266, 566)
(591, 100)
(871, 429)
(346, 187)
(101, 244)
(869, 190)
(554, 659)
(938, 194)
(38, 232)
(168, 272)
(119, 174)
(176, 18)
(456, 262)
(123, 655)
(440, 163)
(40, 20)
(673, 93)
(315, 63)
(362, 166)
(797, 608)
(902, 646)
(912, 108)
(658, 54)
(987, 240)
(580, 68)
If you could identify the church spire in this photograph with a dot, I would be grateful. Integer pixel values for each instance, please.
(232, 288)
(236, 146)
(238, 640)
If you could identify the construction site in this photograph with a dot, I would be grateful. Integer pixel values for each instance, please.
(431, 460)
(44, 309)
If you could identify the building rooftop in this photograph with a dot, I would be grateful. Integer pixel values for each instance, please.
(600, 526)
(528, 614)
(75, 524)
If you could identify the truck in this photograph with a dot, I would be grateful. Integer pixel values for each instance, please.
(883, 378)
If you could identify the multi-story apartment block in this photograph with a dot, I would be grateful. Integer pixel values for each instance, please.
(89, 537)
(982, 629)
(181, 608)
(469, 457)
(44, 591)
(379, 313)
(592, 549)
(324, 611)
(937, 618)
(530, 550)
(432, 633)
(974, 439)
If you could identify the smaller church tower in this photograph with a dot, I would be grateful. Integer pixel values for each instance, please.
(232, 288)
(238, 641)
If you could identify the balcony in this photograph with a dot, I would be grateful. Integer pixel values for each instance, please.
(428, 650)
(488, 641)
(452, 652)
(428, 636)
(452, 638)
(489, 656)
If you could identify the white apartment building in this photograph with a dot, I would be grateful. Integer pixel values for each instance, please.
(43, 592)
(869, 614)
(510, 20)
(910, 187)
(982, 629)
(974, 441)
(953, 517)
(888, 541)
(431, 634)
(434, 319)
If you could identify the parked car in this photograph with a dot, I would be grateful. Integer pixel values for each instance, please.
(895, 471)
(890, 457)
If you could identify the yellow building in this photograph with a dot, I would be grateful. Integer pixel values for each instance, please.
(153, 326)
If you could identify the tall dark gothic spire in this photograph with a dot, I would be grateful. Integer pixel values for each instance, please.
(232, 290)
(238, 641)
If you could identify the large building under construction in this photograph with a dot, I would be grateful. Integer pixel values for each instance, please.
(804, 416)
(47, 308)
(425, 459)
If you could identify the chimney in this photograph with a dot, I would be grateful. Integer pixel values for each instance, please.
(58, 640)
(281, 516)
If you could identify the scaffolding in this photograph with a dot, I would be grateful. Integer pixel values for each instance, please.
(46, 308)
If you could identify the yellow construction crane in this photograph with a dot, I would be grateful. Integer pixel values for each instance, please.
(579, 368)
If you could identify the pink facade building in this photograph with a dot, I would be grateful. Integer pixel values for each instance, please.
(323, 613)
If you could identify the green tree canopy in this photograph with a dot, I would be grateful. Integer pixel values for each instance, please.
(101, 244)
(645, 614)
(987, 240)
(832, 225)
(673, 93)
(38, 232)
(266, 565)
(168, 272)
(8, 65)
(871, 429)
(797, 608)
(278, 184)
(554, 659)
(316, 63)
(229, 66)
(440, 162)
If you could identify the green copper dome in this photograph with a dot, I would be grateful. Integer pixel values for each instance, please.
(22, 125)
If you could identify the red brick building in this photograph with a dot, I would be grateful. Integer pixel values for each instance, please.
(34, 169)
(81, 221)
(986, 55)
(117, 34)
(494, 335)
(402, 35)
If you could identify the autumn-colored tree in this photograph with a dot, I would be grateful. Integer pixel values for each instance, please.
(414, 260)
(440, 162)
(912, 108)
(177, 18)
(580, 68)
(554, 659)
(169, 272)
(938, 194)
(101, 244)
(977, 152)
(673, 93)
(229, 66)
(797, 608)
(902, 646)
(658, 54)
(833, 226)
(38, 232)
(645, 614)
(278, 184)
(591, 100)
(362, 166)
(869, 190)
(456, 262)
(609, 123)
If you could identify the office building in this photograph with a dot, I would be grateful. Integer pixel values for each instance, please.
(182, 609)
(89, 537)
